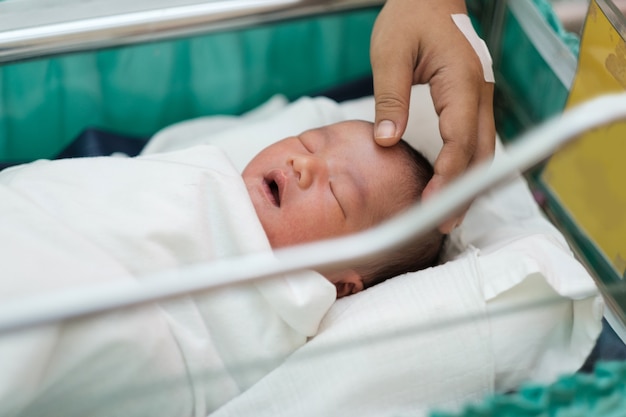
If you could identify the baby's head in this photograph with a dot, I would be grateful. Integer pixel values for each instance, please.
(335, 180)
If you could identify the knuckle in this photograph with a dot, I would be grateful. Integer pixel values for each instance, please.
(389, 101)
(459, 147)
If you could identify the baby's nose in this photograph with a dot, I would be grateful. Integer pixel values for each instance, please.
(308, 169)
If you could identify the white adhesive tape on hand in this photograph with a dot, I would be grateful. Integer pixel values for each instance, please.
(464, 24)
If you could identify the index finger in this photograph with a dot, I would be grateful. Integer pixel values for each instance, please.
(458, 125)
(456, 100)
(460, 152)
(468, 132)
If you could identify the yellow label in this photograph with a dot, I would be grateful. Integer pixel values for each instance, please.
(588, 176)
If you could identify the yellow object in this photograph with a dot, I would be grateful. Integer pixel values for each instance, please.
(587, 177)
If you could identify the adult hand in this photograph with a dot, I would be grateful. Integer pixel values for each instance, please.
(417, 42)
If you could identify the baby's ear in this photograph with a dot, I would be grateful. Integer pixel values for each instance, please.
(347, 282)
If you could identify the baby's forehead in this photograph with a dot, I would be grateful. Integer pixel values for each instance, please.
(354, 125)
(342, 125)
(344, 132)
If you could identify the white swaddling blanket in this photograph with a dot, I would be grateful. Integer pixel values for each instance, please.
(86, 221)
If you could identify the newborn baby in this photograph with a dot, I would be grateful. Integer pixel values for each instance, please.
(334, 180)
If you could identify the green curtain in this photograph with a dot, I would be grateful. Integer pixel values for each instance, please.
(139, 89)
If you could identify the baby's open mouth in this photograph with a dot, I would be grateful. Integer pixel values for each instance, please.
(274, 184)
(275, 192)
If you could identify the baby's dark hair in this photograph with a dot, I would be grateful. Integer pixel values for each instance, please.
(422, 252)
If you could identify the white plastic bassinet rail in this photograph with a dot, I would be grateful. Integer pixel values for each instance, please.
(527, 151)
(72, 27)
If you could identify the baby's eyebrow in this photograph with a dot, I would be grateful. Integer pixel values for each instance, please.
(360, 183)
(362, 189)
(299, 137)
(354, 176)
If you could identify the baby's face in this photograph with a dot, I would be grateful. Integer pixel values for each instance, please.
(324, 183)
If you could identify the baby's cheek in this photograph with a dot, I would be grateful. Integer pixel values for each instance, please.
(306, 223)
(289, 232)
(332, 224)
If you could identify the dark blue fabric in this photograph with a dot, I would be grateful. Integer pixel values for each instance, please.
(609, 347)
(356, 89)
(96, 142)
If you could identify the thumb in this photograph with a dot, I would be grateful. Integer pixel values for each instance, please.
(391, 117)
(392, 92)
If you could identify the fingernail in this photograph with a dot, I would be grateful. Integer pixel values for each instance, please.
(386, 129)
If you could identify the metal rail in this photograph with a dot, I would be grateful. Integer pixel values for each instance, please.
(128, 27)
(527, 151)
